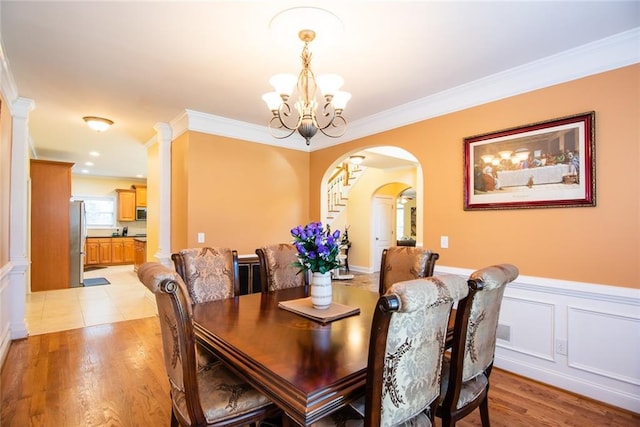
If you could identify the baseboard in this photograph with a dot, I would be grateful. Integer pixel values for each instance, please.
(5, 343)
(599, 392)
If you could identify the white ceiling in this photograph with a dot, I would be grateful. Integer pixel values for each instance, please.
(142, 63)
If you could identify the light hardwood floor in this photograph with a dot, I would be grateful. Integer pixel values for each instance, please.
(113, 375)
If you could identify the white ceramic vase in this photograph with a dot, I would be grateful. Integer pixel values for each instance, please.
(321, 290)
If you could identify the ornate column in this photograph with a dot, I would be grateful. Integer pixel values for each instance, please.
(19, 280)
(165, 134)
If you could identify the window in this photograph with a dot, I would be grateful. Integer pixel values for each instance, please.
(100, 211)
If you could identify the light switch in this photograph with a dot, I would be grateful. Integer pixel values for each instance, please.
(200, 237)
(444, 242)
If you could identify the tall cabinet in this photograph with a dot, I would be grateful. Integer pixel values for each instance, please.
(50, 234)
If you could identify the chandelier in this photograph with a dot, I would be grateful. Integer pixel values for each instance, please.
(303, 115)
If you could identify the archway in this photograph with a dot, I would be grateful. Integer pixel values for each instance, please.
(382, 166)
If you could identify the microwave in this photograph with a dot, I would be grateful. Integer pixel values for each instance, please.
(141, 214)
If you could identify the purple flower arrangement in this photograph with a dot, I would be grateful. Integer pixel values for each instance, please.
(318, 249)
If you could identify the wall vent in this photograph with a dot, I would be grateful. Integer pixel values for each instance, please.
(503, 332)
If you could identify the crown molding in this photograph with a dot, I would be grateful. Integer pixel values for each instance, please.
(7, 84)
(607, 54)
(216, 125)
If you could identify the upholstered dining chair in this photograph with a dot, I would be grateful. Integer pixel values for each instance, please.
(276, 267)
(209, 274)
(406, 348)
(200, 396)
(465, 377)
(400, 263)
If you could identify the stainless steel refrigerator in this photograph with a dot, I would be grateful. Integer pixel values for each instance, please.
(78, 230)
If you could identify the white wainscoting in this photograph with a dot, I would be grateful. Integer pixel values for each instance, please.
(5, 319)
(581, 337)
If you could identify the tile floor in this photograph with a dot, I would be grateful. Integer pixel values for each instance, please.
(124, 299)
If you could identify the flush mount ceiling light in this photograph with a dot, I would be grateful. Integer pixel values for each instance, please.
(98, 124)
(356, 159)
(300, 115)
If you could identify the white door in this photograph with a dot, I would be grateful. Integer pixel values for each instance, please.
(383, 233)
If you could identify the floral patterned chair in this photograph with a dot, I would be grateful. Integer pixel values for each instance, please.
(400, 263)
(209, 274)
(276, 267)
(200, 396)
(465, 377)
(405, 355)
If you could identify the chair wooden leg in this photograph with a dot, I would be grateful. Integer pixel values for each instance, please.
(174, 420)
(448, 422)
(484, 411)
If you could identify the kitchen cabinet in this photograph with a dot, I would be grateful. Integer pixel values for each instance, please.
(122, 250)
(50, 225)
(105, 251)
(129, 251)
(140, 253)
(141, 195)
(92, 252)
(109, 251)
(117, 251)
(126, 205)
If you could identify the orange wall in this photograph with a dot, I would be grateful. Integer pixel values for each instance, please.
(179, 193)
(5, 180)
(595, 244)
(242, 195)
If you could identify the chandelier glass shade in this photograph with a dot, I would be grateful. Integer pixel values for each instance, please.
(304, 115)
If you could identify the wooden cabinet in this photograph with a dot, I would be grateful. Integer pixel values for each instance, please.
(92, 252)
(140, 253)
(109, 251)
(126, 205)
(117, 251)
(141, 195)
(249, 272)
(129, 251)
(122, 250)
(105, 251)
(50, 229)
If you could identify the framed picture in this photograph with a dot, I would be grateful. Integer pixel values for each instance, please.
(541, 165)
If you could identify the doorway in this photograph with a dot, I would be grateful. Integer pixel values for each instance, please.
(383, 171)
(383, 224)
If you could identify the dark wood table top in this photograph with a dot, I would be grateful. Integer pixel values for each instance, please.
(307, 368)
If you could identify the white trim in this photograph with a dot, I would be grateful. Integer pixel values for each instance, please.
(5, 336)
(562, 380)
(605, 315)
(607, 54)
(7, 84)
(603, 376)
(594, 291)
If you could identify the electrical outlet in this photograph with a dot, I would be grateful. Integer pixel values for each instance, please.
(561, 347)
(444, 242)
(200, 237)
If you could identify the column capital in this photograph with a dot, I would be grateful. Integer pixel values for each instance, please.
(21, 108)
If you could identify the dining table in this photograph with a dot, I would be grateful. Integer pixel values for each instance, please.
(306, 367)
